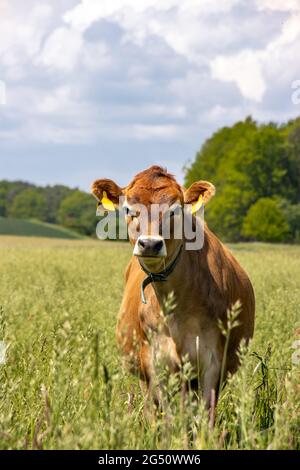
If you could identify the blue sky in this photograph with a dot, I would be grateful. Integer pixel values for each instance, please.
(98, 88)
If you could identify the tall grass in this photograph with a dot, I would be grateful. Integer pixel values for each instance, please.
(64, 384)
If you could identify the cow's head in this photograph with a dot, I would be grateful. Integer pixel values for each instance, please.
(150, 201)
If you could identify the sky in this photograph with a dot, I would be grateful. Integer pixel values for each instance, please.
(106, 88)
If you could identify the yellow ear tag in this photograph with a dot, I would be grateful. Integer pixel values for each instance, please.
(107, 203)
(197, 205)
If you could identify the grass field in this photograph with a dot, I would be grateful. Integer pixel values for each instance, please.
(63, 384)
(34, 228)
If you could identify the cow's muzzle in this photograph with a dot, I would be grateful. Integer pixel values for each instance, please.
(150, 247)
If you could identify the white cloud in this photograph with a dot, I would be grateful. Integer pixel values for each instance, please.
(18, 35)
(62, 49)
(96, 56)
(255, 71)
(146, 132)
(141, 19)
(222, 115)
(281, 5)
(197, 38)
(59, 102)
(21, 34)
(245, 70)
(65, 48)
(89, 11)
(168, 72)
(289, 33)
(147, 112)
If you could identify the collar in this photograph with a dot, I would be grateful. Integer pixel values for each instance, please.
(158, 277)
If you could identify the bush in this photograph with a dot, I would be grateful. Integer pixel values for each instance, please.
(265, 221)
(77, 212)
(292, 215)
(29, 204)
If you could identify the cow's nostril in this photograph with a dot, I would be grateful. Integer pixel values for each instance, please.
(141, 243)
(150, 246)
(158, 245)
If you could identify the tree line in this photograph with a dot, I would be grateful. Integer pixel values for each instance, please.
(255, 168)
(256, 171)
(58, 204)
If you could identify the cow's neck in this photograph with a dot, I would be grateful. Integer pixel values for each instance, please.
(178, 283)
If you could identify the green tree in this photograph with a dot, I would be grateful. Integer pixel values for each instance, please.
(245, 162)
(8, 191)
(291, 133)
(292, 215)
(265, 222)
(77, 212)
(54, 196)
(3, 202)
(29, 204)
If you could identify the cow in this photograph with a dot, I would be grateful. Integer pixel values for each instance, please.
(205, 284)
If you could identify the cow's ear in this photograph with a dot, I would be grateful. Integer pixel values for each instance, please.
(199, 193)
(107, 193)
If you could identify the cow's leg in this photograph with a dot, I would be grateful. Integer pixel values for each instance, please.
(149, 376)
(210, 385)
(161, 354)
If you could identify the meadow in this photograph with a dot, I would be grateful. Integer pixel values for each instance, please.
(63, 384)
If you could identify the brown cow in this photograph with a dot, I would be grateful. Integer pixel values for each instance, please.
(206, 283)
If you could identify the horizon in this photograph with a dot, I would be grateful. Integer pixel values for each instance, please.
(87, 190)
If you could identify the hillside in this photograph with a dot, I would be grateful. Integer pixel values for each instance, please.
(32, 228)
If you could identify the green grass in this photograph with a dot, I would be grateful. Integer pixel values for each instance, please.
(33, 228)
(64, 385)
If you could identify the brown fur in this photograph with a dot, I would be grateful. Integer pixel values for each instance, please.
(206, 284)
